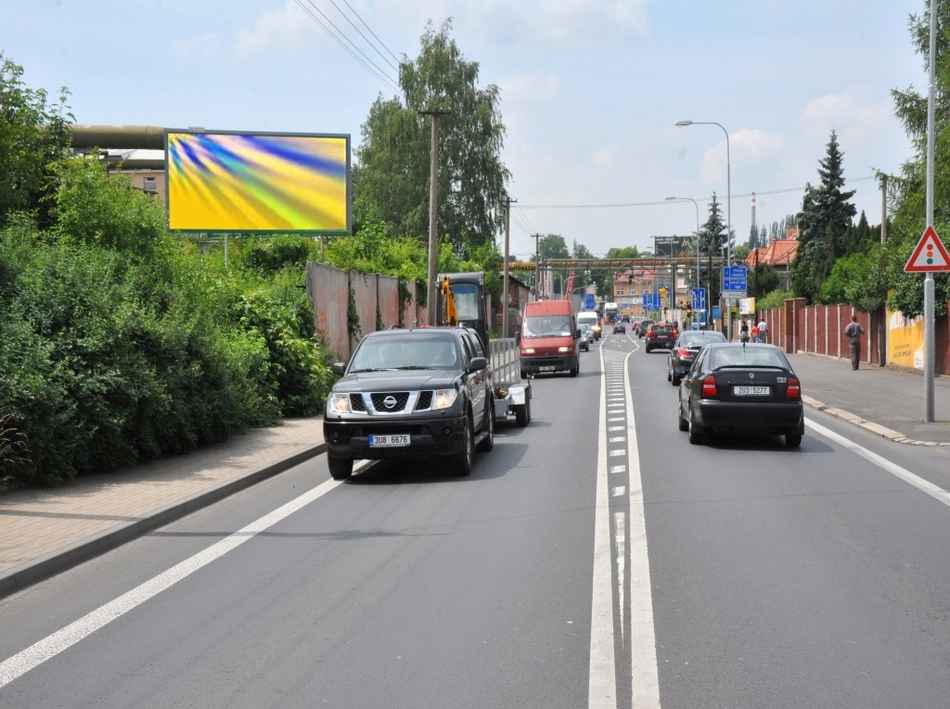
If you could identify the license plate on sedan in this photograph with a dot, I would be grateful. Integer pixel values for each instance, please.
(547, 368)
(390, 440)
(751, 390)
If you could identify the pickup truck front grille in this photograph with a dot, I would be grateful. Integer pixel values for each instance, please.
(396, 400)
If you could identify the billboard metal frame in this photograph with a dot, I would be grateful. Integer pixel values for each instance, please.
(282, 134)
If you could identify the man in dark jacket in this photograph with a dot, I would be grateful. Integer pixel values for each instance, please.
(853, 332)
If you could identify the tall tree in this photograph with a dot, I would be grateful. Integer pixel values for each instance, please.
(34, 133)
(712, 237)
(826, 216)
(391, 180)
(909, 215)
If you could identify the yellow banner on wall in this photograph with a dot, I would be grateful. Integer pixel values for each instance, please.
(905, 340)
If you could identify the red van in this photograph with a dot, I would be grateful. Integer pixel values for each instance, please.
(549, 338)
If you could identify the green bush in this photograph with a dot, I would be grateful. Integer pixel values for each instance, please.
(774, 299)
(120, 343)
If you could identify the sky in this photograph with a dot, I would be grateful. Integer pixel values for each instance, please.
(591, 90)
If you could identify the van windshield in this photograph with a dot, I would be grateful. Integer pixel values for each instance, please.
(548, 326)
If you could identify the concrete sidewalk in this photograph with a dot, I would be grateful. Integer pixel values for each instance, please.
(43, 532)
(887, 397)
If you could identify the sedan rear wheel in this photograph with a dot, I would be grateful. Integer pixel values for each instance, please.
(695, 430)
(793, 440)
(683, 423)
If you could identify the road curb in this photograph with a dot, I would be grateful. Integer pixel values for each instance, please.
(36, 570)
(869, 426)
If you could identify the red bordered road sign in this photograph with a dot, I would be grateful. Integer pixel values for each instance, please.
(929, 255)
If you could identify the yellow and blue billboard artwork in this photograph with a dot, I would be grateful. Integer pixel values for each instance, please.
(232, 182)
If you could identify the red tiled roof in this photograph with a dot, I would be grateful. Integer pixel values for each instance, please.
(780, 252)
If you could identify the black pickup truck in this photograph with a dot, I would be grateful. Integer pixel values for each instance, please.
(411, 393)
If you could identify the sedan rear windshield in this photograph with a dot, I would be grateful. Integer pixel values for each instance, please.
(548, 326)
(698, 339)
(657, 330)
(747, 357)
(408, 352)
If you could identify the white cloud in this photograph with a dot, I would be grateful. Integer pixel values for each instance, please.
(747, 145)
(277, 28)
(855, 120)
(603, 157)
(525, 88)
(201, 47)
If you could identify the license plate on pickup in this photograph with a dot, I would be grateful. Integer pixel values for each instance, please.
(751, 390)
(547, 368)
(390, 440)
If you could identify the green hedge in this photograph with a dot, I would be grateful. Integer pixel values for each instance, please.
(119, 343)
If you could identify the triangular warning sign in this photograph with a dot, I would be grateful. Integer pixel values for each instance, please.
(929, 255)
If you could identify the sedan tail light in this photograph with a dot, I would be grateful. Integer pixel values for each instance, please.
(683, 353)
(794, 389)
(709, 387)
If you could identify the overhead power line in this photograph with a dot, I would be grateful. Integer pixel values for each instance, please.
(344, 41)
(656, 203)
(365, 38)
(370, 29)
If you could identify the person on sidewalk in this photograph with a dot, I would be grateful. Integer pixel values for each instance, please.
(755, 332)
(744, 332)
(853, 332)
(763, 331)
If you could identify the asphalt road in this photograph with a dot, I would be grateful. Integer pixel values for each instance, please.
(766, 577)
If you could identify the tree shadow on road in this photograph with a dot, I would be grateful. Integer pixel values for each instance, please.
(496, 464)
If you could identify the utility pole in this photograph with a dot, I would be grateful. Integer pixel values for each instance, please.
(434, 115)
(883, 208)
(882, 324)
(929, 339)
(537, 264)
(504, 285)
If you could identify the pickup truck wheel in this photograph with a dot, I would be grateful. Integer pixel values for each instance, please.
(488, 442)
(463, 461)
(523, 414)
(340, 468)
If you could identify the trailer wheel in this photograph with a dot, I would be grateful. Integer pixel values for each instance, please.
(523, 413)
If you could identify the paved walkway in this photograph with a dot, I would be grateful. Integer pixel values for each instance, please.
(36, 524)
(889, 397)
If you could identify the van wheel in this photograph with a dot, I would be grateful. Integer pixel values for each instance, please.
(340, 468)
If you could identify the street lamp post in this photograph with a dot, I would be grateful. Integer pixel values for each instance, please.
(683, 124)
(696, 205)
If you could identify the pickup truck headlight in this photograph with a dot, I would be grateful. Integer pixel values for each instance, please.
(563, 349)
(338, 404)
(443, 398)
(528, 350)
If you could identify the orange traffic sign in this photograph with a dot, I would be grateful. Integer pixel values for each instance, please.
(929, 255)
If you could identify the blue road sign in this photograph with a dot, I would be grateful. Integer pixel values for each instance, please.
(716, 312)
(699, 298)
(735, 279)
(589, 303)
(647, 303)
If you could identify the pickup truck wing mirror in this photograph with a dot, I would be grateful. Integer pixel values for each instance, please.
(477, 364)
(338, 368)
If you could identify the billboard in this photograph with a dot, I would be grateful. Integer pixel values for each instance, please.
(227, 181)
(674, 246)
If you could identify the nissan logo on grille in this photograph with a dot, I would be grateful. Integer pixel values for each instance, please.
(389, 402)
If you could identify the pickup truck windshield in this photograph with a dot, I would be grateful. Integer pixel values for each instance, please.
(409, 352)
(548, 326)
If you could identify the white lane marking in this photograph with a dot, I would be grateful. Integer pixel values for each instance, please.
(616, 418)
(602, 679)
(620, 537)
(618, 468)
(616, 428)
(620, 491)
(644, 671)
(617, 453)
(616, 439)
(925, 486)
(52, 645)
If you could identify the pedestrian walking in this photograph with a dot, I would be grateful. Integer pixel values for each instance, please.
(744, 332)
(755, 333)
(853, 332)
(763, 330)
